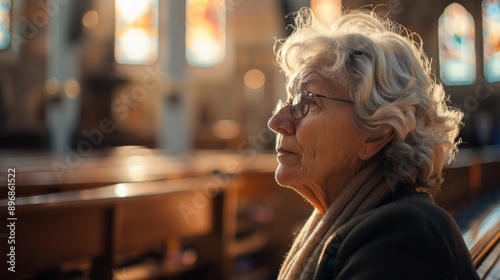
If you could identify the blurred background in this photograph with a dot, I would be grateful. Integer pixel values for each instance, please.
(137, 130)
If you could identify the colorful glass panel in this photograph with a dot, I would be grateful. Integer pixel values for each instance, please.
(136, 31)
(457, 53)
(205, 32)
(5, 6)
(326, 10)
(491, 40)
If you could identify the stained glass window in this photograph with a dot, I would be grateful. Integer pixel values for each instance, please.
(326, 10)
(205, 32)
(491, 40)
(4, 23)
(136, 31)
(457, 54)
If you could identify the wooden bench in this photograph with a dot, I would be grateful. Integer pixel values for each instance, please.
(483, 241)
(102, 227)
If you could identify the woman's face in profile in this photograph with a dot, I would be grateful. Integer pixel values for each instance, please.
(321, 149)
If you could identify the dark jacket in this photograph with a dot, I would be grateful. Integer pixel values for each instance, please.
(406, 237)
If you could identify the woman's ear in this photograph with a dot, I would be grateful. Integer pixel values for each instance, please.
(372, 146)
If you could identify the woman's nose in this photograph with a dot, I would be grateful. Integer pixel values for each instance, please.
(281, 122)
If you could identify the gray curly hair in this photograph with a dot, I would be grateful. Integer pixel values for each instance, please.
(390, 81)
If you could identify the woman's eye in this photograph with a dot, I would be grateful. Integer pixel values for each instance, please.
(312, 101)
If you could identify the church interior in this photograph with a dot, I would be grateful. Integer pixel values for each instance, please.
(134, 140)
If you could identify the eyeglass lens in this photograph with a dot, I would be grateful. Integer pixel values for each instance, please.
(300, 105)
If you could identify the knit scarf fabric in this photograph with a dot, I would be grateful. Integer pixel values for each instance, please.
(365, 191)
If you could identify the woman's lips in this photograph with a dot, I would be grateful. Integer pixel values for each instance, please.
(286, 157)
(283, 151)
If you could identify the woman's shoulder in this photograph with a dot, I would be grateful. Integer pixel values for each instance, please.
(407, 236)
(400, 212)
(411, 207)
(413, 218)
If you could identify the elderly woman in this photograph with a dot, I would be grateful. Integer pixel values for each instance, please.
(363, 136)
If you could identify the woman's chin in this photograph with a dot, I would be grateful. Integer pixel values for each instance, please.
(283, 176)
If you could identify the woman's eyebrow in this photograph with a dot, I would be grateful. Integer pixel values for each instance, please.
(309, 80)
(303, 82)
(311, 84)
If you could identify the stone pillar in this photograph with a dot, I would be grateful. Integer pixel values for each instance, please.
(63, 112)
(175, 122)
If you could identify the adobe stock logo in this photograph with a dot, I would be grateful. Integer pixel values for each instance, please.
(248, 150)
(31, 27)
(471, 102)
(121, 106)
(395, 6)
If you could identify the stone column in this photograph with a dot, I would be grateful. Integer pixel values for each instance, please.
(175, 122)
(63, 113)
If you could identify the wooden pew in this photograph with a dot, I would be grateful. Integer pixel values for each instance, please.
(37, 181)
(483, 241)
(254, 185)
(103, 226)
(45, 173)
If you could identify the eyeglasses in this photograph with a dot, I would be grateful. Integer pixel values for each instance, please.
(299, 105)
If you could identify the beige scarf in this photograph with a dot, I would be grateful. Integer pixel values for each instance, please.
(362, 193)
